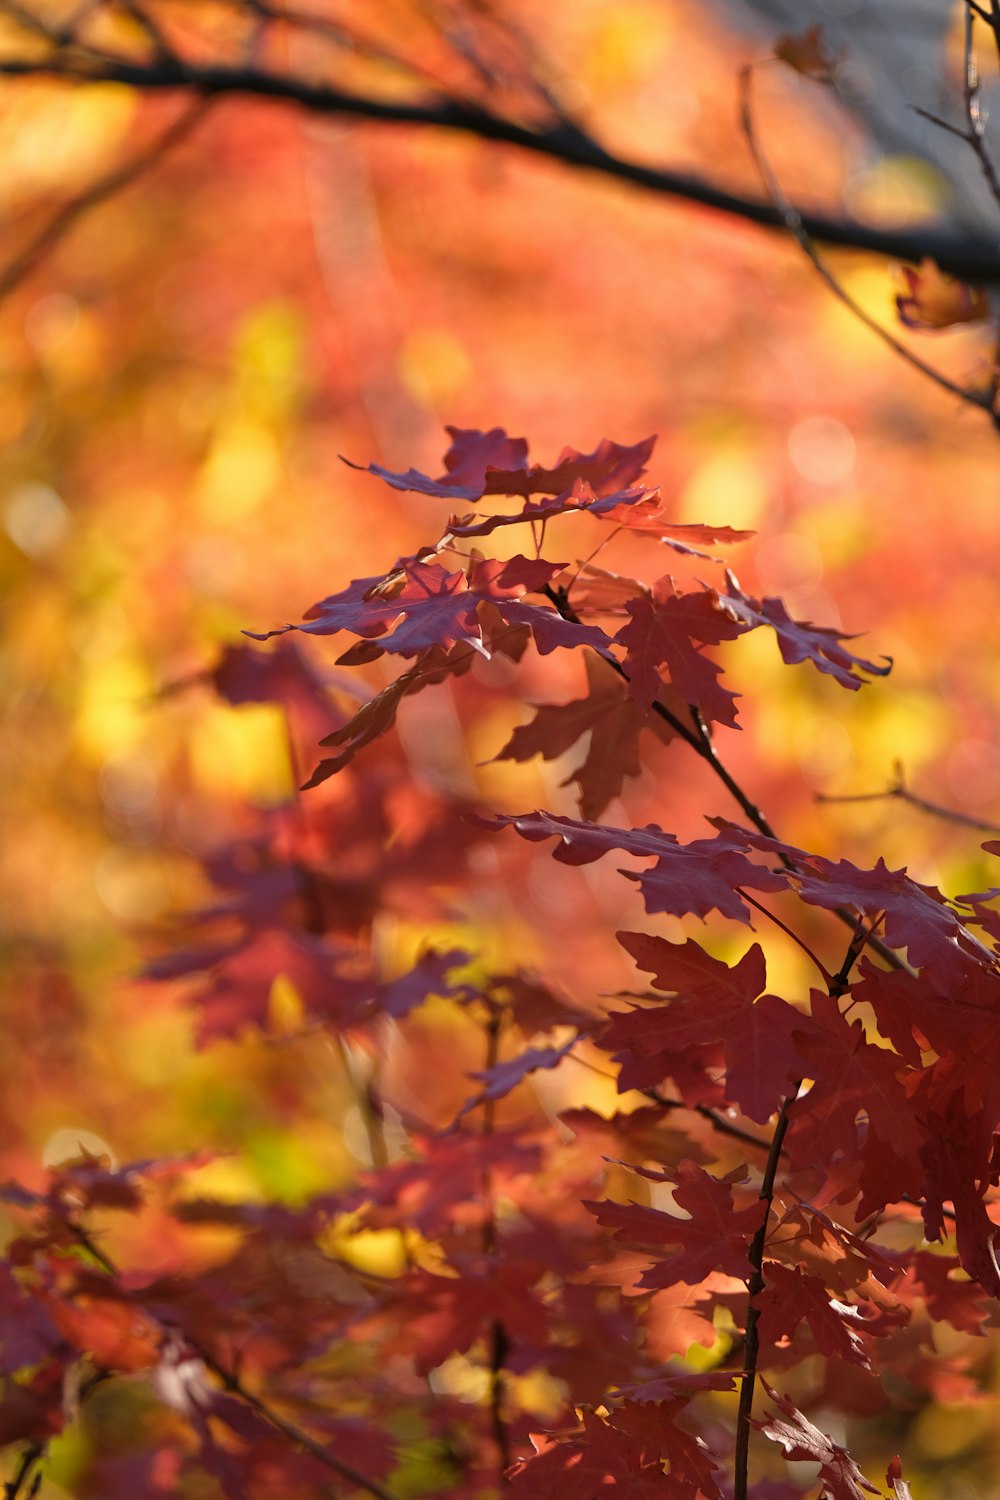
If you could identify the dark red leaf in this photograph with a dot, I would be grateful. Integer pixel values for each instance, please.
(691, 878)
(668, 630)
(715, 1237)
(614, 722)
(798, 640)
(800, 1439)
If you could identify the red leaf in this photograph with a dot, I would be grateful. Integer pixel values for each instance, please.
(611, 718)
(27, 1333)
(894, 1479)
(481, 463)
(505, 1076)
(667, 629)
(421, 605)
(807, 55)
(687, 878)
(798, 640)
(791, 1297)
(800, 1439)
(929, 299)
(714, 1238)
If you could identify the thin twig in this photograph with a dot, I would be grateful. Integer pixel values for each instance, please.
(899, 792)
(235, 1386)
(795, 224)
(970, 257)
(718, 1122)
(974, 134)
(49, 236)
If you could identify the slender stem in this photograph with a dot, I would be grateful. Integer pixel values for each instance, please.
(902, 793)
(796, 226)
(752, 901)
(838, 984)
(718, 1122)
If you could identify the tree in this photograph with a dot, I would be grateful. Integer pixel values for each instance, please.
(592, 1206)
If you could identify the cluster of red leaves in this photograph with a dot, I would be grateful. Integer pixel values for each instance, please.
(873, 1102)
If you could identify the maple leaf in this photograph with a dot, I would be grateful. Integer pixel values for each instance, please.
(377, 716)
(690, 878)
(613, 721)
(422, 605)
(799, 640)
(714, 1238)
(957, 1158)
(917, 918)
(667, 629)
(857, 1101)
(807, 55)
(791, 1297)
(34, 1409)
(930, 299)
(501, 1079)
(443, 1186)
(801, 1439)
(637, 509)
(621, 1455)
(715, 1005)
(481, 463)
(436, 1316)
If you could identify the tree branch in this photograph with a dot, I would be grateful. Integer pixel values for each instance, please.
(232, 1383)
(48, 237)
(971, 257)
(796, 226)
(901, 793)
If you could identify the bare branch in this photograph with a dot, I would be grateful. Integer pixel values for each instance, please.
(797, 228)
(899, 791)
(967, 256)
(62, 221)
(235, 1386)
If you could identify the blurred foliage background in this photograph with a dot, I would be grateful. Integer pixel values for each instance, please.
(178, 378)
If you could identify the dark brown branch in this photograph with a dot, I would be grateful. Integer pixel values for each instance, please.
(974, 134)
(971, 257)
(755, 1285)
(49, 236)
(800, 232)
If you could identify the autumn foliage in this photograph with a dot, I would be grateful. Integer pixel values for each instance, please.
(522, 1291)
